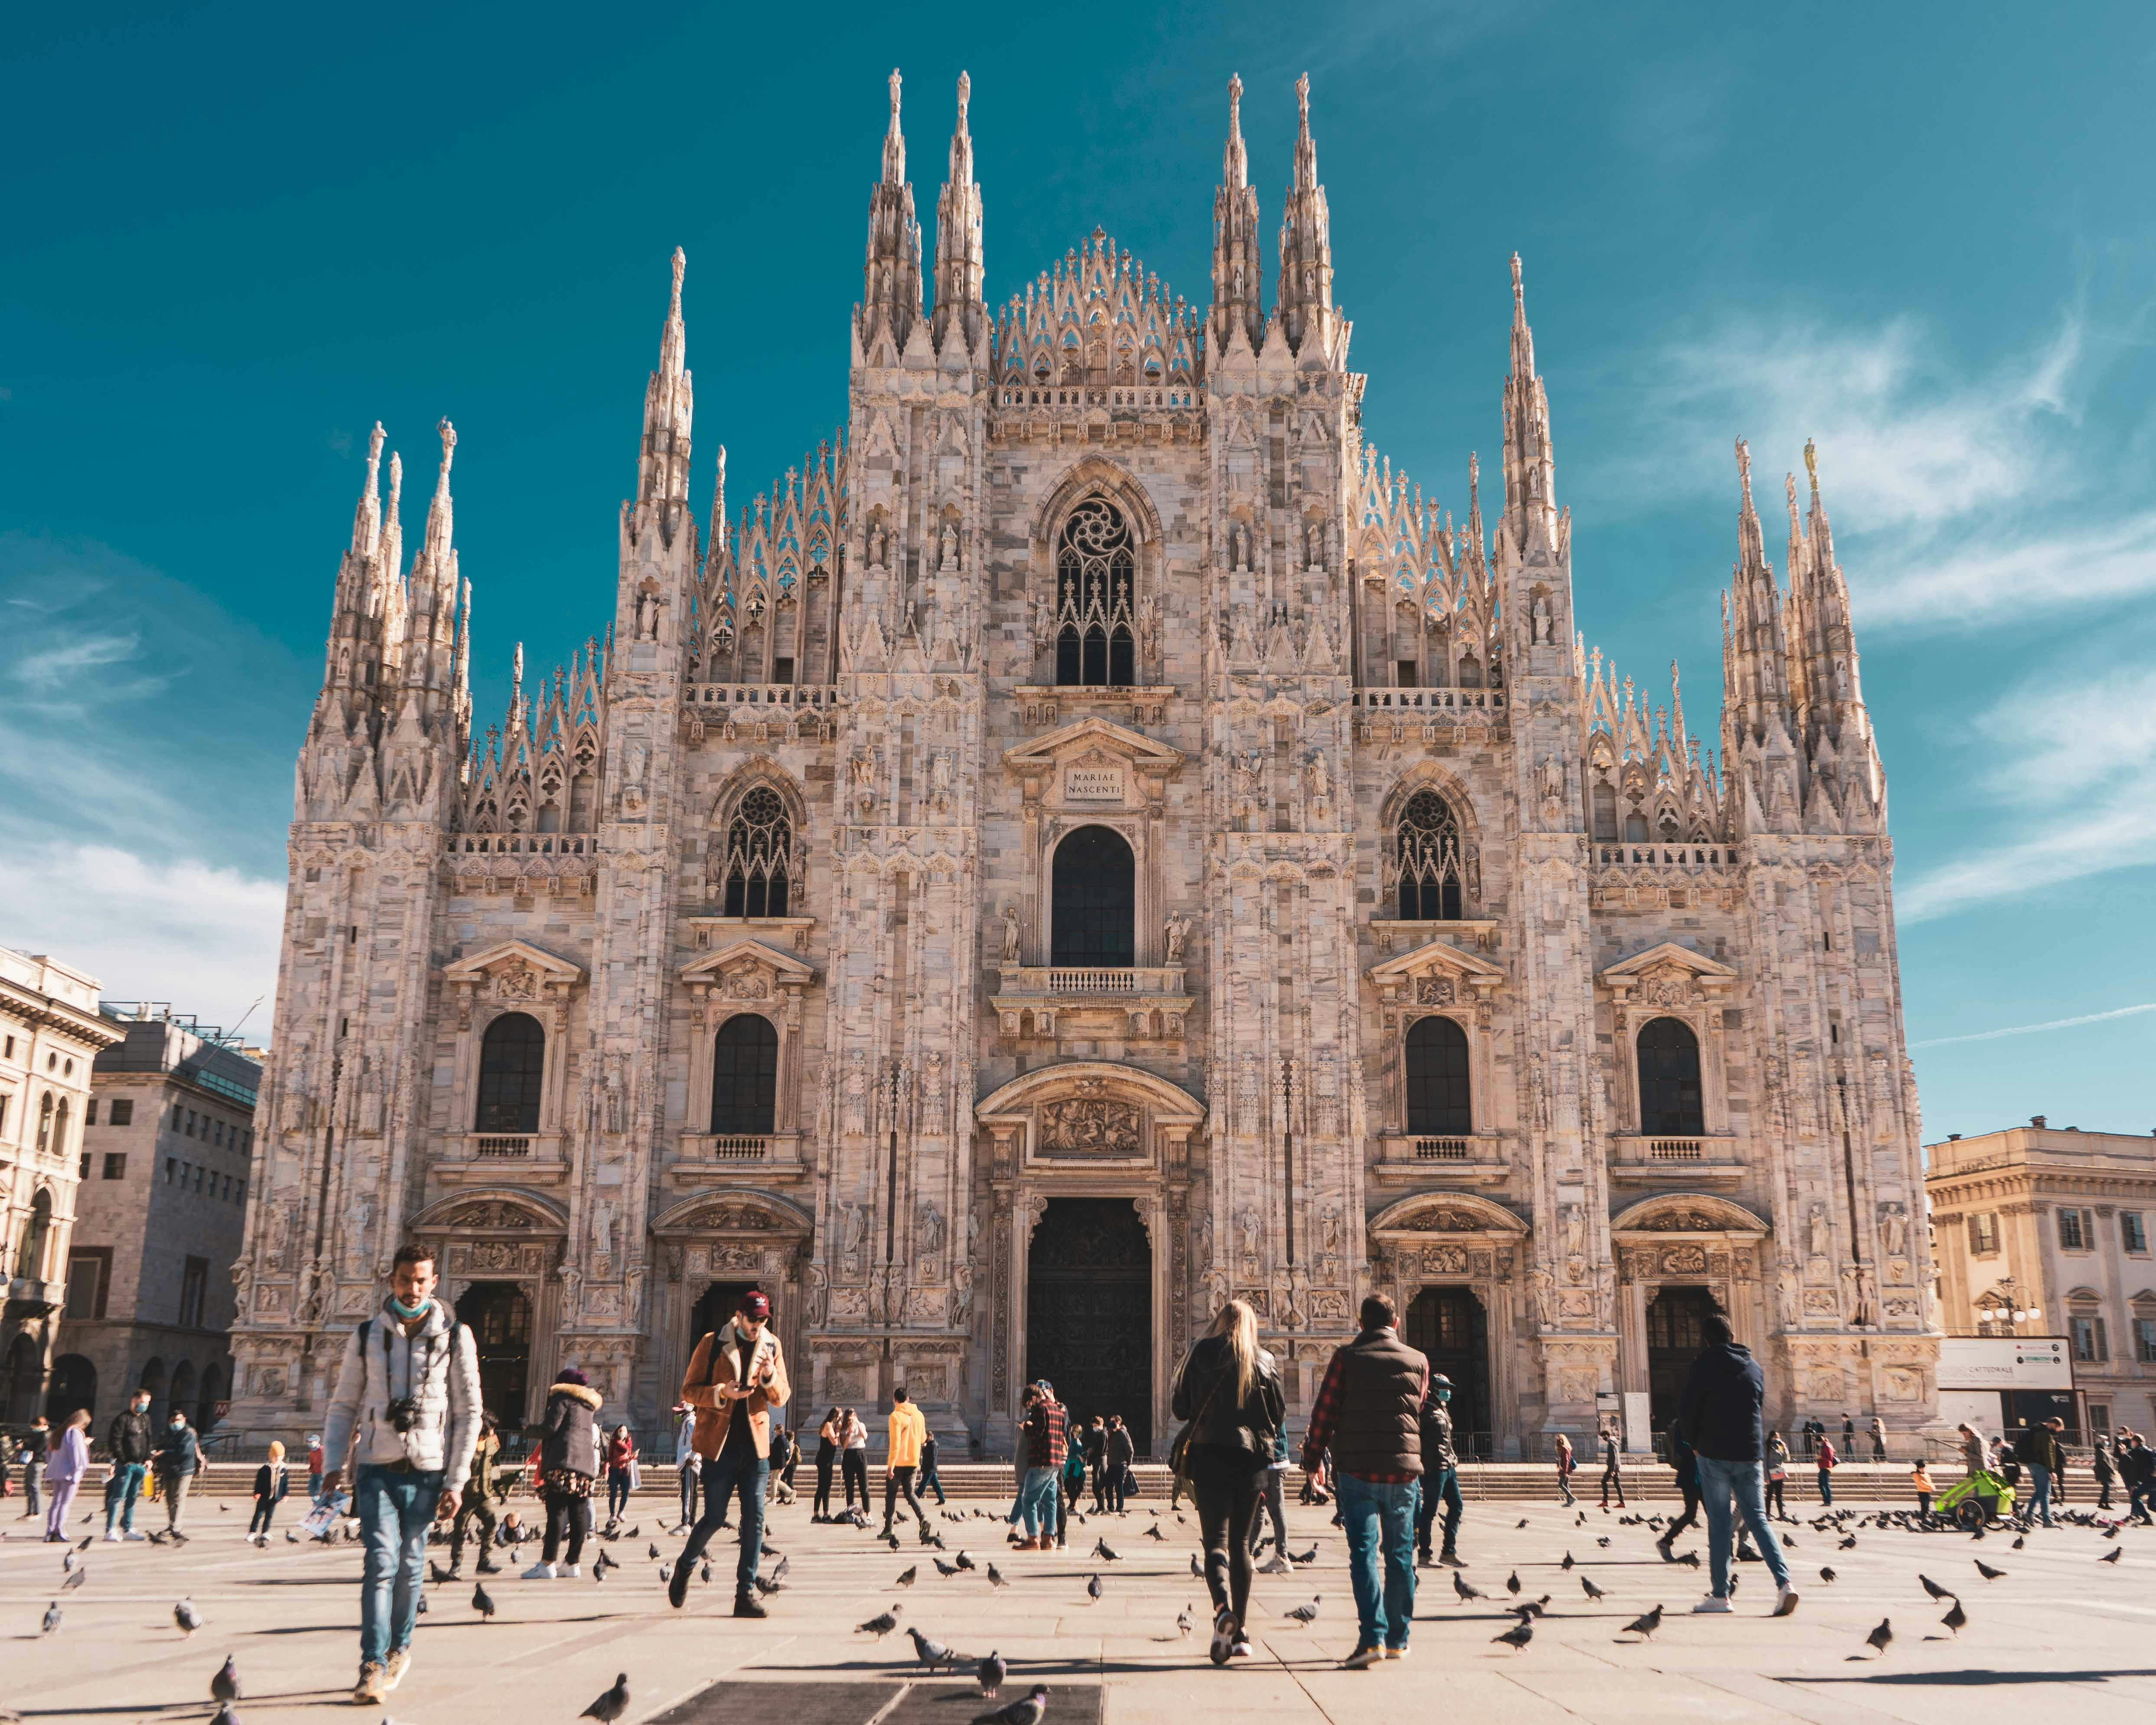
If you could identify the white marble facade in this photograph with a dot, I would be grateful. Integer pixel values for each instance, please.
(1100, 560)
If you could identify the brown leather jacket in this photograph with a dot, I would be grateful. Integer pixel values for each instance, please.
(710, 1372)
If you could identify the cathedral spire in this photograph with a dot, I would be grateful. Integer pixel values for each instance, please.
(1758, 674)
(1304, 301)
(891, 279)
(1236, 281)
(367, 519)
(958, 256)
(662, 475)
(1530, 462)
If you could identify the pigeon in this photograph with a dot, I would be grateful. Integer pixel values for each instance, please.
(1305, 1614)
(881, 1624)
(1197, 1569)
(67, 1560)
(436, 1573)
(1881, 1638)
(75, 1579)
(603, 1563)
(1645, 1627)
(769, 1585)
(1101, 1551)
(2110, 1533)
(1934, 1589)
(85, 1544)
(1567, 1564)
(157, 1538)
(612, 1705)
(991, 1673)
(906, 1576)
(933, 1654)
(1588, 1587)
(1826, 1574)
(1093, 1587)
(52, 1618)
(224, 1686)
(1847, 1544)
(1691, 1558)
(777, 1570)
(1955, 1618)
(1308, 1557)
(945, 1570)
(2113, 1555)
(1183, 1622)
(653, 1550)
(482, 1601)
(1987, 1572)
(1465, 1593)
(2020, 1541)
(996, 1578)
(1025, 1711)
(188, 1619)
(420, 1609)
(1513, 1583)
(1604, 1541)
(224, 1716)
(1533, 1608)
(962, 1561)
(705, 1573)
(1154, 1532)
(1523, 1521)
(1518, 1636)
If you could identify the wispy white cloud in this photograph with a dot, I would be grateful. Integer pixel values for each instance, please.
(2086, 1018)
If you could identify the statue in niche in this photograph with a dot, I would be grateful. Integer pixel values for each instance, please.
(1573, 1220)
(602, 1231)
(940, 782)
(1545, 633)
(1239, 546)
(647, 615)
(1314, 540)
(929, 1233)
(947, 550)
(935, 1093)
(1174, 935)
(1010, 934)
(819, 1297)
(1552, 779)
(962, 1296)
(1816, 1226)
(1894, 1230)
(857, 1090)
(1246, 1224)
(616, 1085)
(855, 1234)
(1321, 778)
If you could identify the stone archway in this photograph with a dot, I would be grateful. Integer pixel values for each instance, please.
(499, 1250)
(731, 1239)
(1454, 1244)
(1680, 1248)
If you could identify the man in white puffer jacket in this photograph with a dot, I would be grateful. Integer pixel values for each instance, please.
(406, 1407)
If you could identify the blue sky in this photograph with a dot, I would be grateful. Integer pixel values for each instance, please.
(232, 238)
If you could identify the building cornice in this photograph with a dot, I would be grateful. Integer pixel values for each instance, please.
(33, 1008)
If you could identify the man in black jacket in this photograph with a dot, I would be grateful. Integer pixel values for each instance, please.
(2039, 1450)
(1440, 1475)
(1720, 1409)
(128, 1441)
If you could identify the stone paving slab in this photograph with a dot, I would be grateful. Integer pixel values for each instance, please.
(2062, 1636)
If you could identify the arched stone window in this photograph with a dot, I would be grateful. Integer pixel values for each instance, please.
(1095, 885)
(759, 849)
(512, 1059)
(37, 1230)
(45, 1123)
(1428, 841)
(744, 1076)
(1671, 1104)
(1438, 1103)
(1095, 572)
(1606, 810)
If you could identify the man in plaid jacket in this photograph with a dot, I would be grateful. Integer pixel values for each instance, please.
(1045, 1441)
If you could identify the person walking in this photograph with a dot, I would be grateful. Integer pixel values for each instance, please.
(177, 1457)
(2105, 1471)
(1973, 1457)
(902, 1461)
(1229, 1397)
(1072, 1484)
(620, 1458)
(828, 1437)
(853, 1459)
(1613, 1467)
(1272, 1501)
(1685, 1463)
(1920, 1481)
(66, 1462)
(1848, 1434)
(2136, 1472)
(1368, 1412)
(128, 1442)
(476, 1502)
(1092, 1442)
(735, 1377)
(1813, 1432)
(406, 1407)
(1121, 1452)
(1878, 1439)
(315, 1495)
(685, 1463)
(1720, 1409)
(567, 1469)
(1044, 1441)
(1441, 1477)
(1778, 1477)
(35, 1447)
(1828, 1460)
(1566, 1462)
(2042, 1453)
(931, 1480)
(271, 1483)
(785, 1456)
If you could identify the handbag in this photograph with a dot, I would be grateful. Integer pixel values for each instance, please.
(636, 1475)
(1178, 1452)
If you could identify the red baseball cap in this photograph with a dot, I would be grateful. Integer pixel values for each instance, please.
(753, 1304)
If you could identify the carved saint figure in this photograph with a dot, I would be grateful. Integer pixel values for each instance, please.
(940, 782)
(1010, 934)
(1545, 622)
(1321, 776)
(602, 1229)
(1246, 1224)
(1894, 1230)
(647, 615)
(1817, 1228)
(1575, 1230)
(1239, 546)
(1315, 541)
(1176, 930)
(856, 1231)
(857, 1091)
(616, 1085)
(1552, 779)
(928, 1231)
(947, 550)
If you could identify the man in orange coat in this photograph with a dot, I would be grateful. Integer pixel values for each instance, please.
(735, 1377)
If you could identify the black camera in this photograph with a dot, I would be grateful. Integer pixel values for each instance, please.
(403, 1414)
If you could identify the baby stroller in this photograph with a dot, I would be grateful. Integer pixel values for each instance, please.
(1976, 1500)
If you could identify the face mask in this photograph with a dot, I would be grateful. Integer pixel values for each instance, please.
(408, 1312)
(178, 1423)
(1444, 1395)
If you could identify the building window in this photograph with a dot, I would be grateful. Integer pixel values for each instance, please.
(1670, 1103)
(122, 1112)
(37, 1232)
(1982, 1235)
(2089, 1341)
(191, 1123)
(1438, 1098)
(2133, 1230)
(1095, 567)
(1094, 886)
(89, 1112)
(759, 845)
(194, 1283)
(88, 1270)
(82, 1166)
(745, 1075)
(115, 1164)
(1429, 842)
(45, 1123)
(511, 1059)
(2073, 1230)
(2144, 1340)
(171, 1167)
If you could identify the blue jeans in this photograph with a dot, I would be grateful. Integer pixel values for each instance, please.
(2040, 1499)
(120, 1492)
(1719, 1483)
(1826, 1486)
(396, 1508)
(1036, 1502)
(748, 1473)
(1372, 1514)
(1440, 1488)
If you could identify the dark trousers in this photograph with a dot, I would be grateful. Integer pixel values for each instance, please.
(1116, 1472)
(568, 1517)
(1775, 1505)
(471, 1507)
(1443, 1486)
(1100, 1488)
(1690, 1490)
(747, 1473)
(825, 1464)
(854, 1466)
(1270, 1503)
(931, 1480)
(264, 1507)
(617, 1491)
(897, 1483)
(687, 1483)
(1225, 1486)
(1612, 1480)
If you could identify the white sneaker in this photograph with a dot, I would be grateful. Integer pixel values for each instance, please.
(1273, 1565)
(540, 1572)
(130, 1533)
(1785, 1601)
(111, 1538)
(567, 1571)
(1224, 1635)
(1711, 1605)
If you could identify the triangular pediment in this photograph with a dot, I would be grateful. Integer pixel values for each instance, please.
(508, 957)
(1439, 958)
(1662, 958)
(1094, 735)
(745, 953)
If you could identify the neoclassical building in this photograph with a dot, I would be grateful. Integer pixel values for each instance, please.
(1092, 840)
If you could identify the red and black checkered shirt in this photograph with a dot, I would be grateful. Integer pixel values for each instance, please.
(1047, 1436)
(1324, 1415)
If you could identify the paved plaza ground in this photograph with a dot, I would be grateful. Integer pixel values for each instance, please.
(2060, 1636)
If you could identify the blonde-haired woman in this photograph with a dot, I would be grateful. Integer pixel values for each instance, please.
(1229, 1391)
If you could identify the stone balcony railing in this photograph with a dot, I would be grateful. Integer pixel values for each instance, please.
(811, 694)
(534, 1157)
(1471, 1158)
(522, 844)
(1151, 997)
(1659, 1156)
(1430, 701)
(1688, 857)
(705, 1158)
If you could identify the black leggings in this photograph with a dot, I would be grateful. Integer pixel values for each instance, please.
(568, 1512)
(1775, 1507)
(264, 1507)
(825, 1464)
(855, 1470)
(1691, 1515)
(1227, 1485)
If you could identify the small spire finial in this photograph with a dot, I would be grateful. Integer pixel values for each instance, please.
(448, 433)
(1302, 101)
(1811, 465)
(374, 440)
(1744, 470)
(1519, 292)
(680, 265)
(965, 96)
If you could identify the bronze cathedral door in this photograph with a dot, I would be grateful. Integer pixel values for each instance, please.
(1089, 1311)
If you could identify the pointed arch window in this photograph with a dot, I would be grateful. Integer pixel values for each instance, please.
(759, 848)
(1429, 842)
(1670, 1102)
(1439, 1105)
(745, 1075)
(1095, 571)
(511, 1062)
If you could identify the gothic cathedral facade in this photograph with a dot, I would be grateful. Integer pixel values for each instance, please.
(1091, 841)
